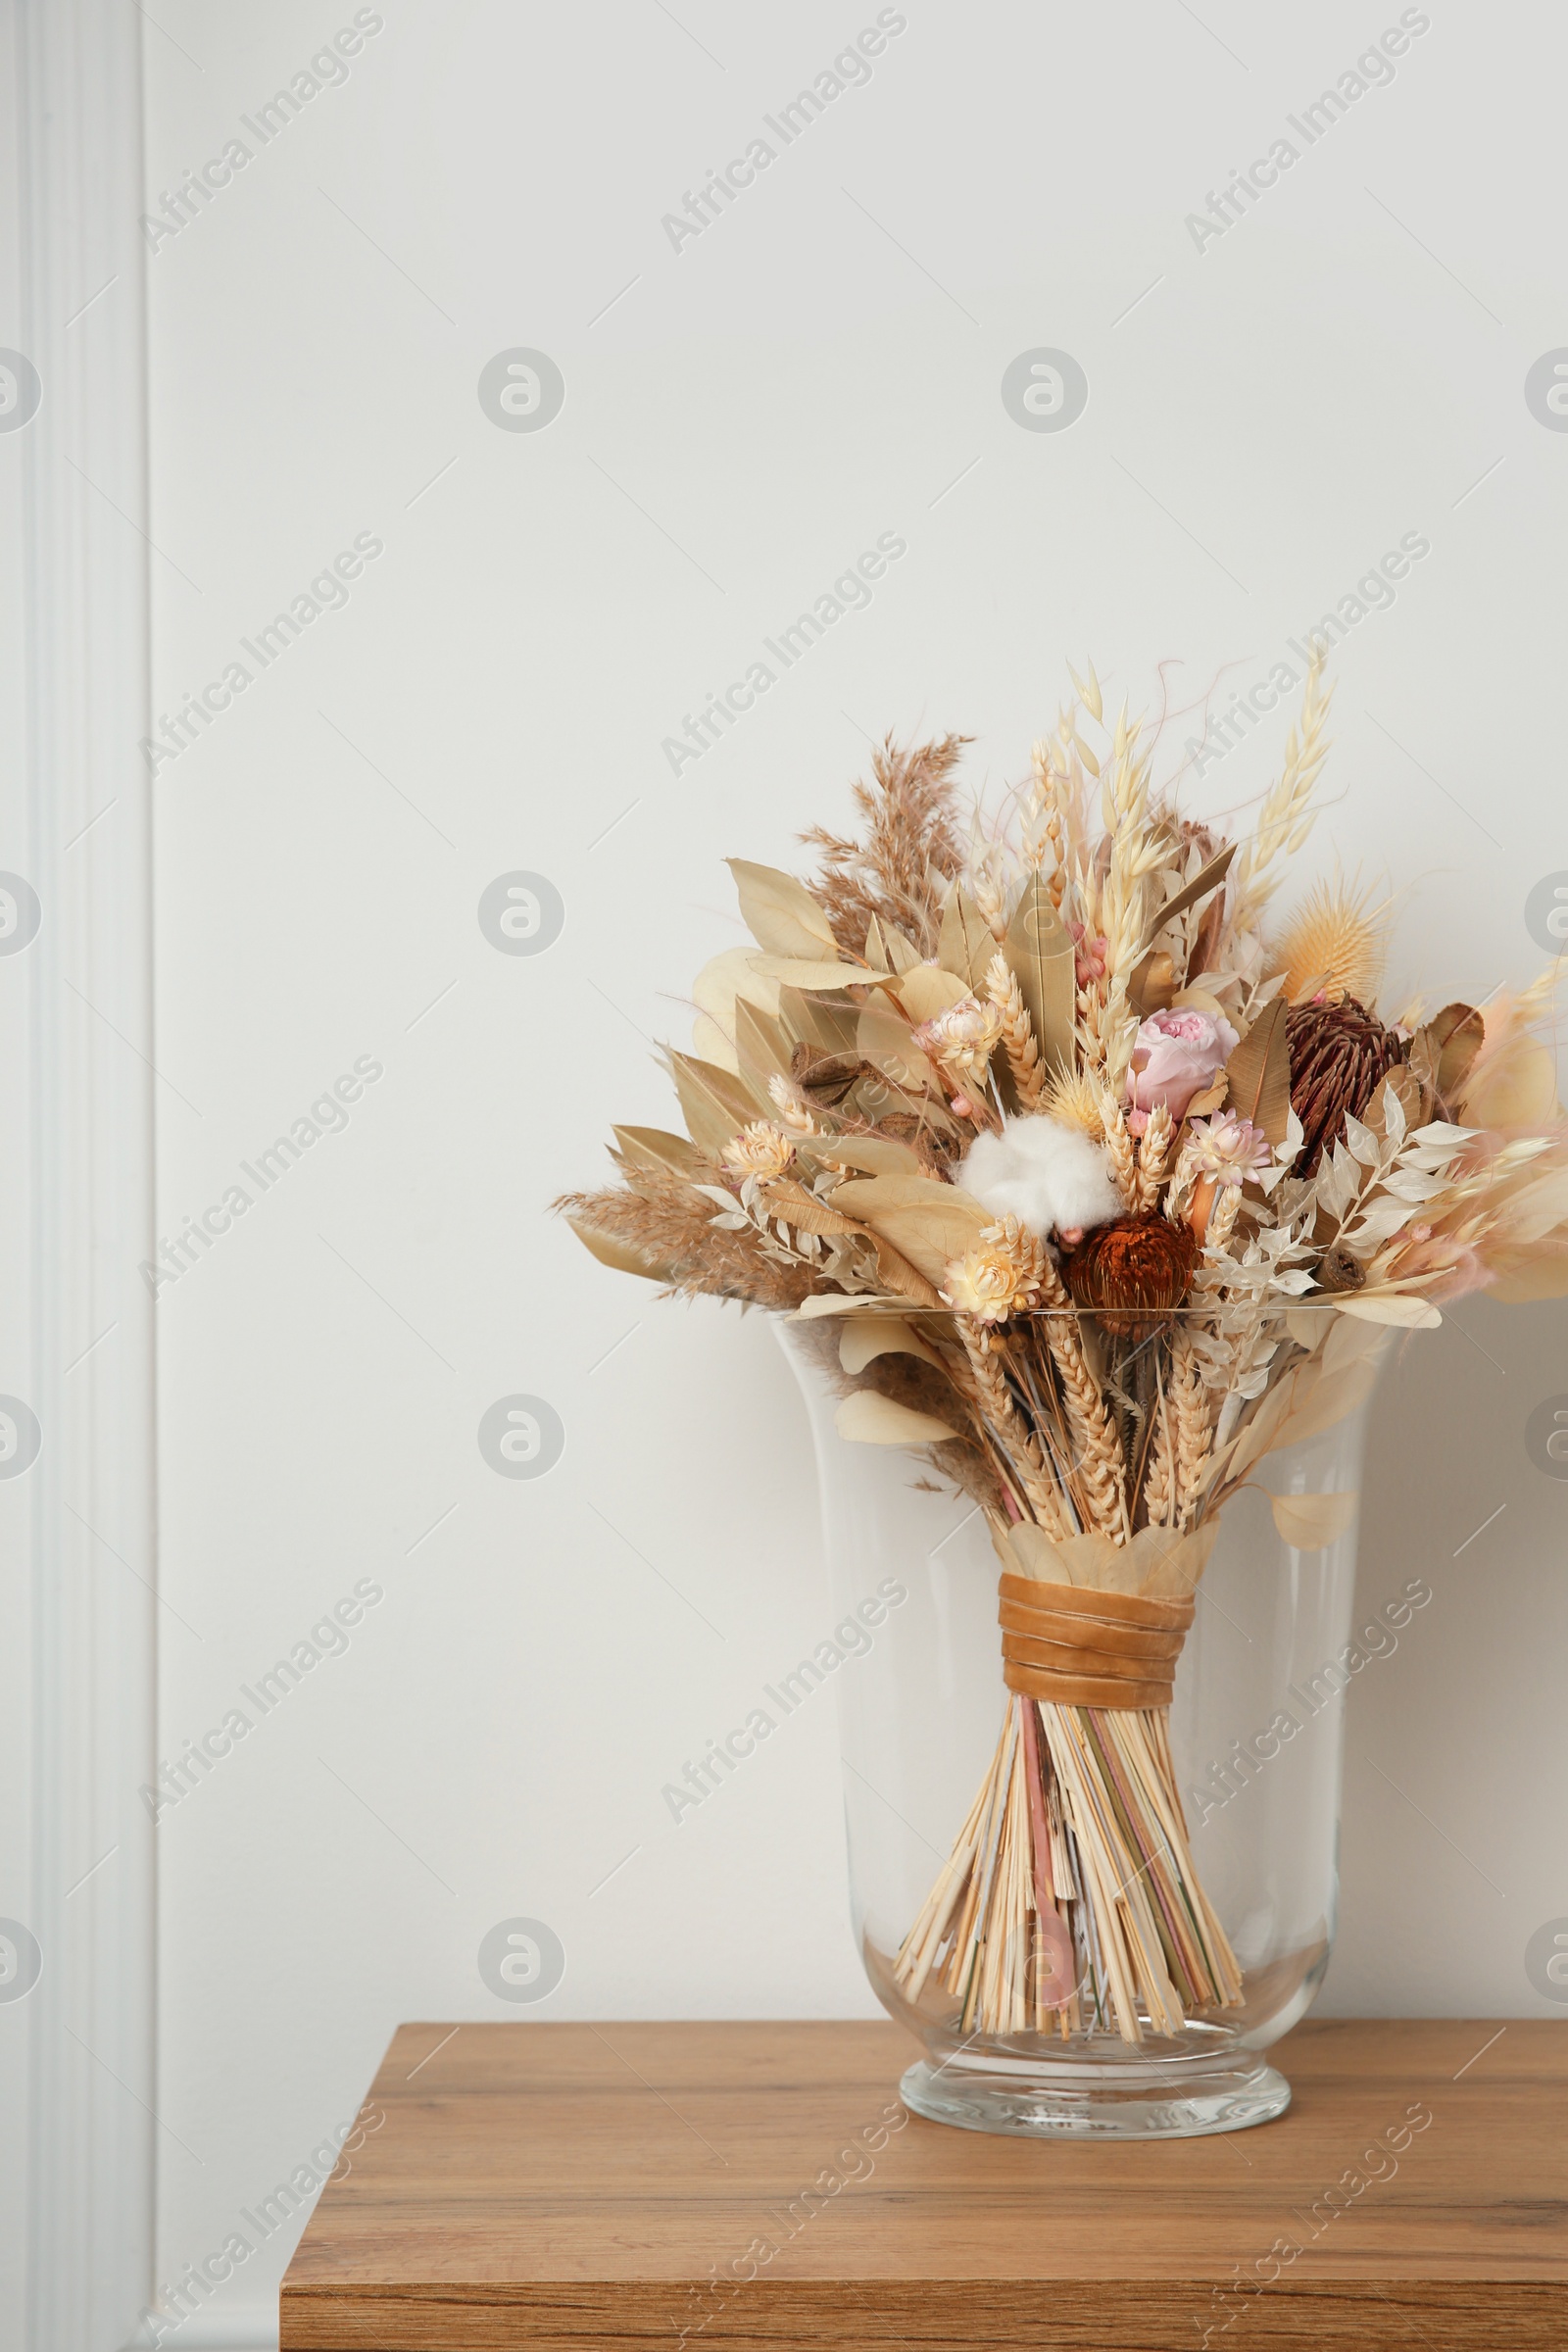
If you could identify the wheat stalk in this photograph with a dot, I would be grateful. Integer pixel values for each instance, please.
(1160, 1488)
(1190, 1432)
(1099, 1454)
(1017, 1032)
(986, 894)
(1119, 1147)
(1222, 1219)
(1013, 1432)
(1154, 1154)
(1184, 1177)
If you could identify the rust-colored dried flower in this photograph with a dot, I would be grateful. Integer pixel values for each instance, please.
(1133, 1273)
(1340, 1055)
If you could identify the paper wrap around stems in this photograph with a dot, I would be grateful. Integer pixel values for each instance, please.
(1088, 1623)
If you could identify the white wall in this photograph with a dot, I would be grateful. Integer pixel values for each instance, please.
(1266, 416)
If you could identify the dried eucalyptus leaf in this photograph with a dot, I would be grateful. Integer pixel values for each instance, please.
(1331, 1396)
(927, 990)
(870, 1419)
(903, 953)
(884, 1041)
(617, 1254)
(964, 944)
(652, 1147)
(1402, 1308)
(762, 1047)
(1207, 878)
(1039, 953)
(813, 977)
(871, 1154)
(829, 1028)
(713, 1102)
(872, 1335)
(867, 1302)
(1311, 1521)
(1351, 1342)
(781, 913)
(1259, 1073)
(1457, 1031)
(928, 1223)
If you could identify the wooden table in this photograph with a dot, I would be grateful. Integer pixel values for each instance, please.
(614, 2185)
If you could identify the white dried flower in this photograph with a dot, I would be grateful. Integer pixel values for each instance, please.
(760, 1150)
(965, 1036)
(999, 1279)
(1230, 1149)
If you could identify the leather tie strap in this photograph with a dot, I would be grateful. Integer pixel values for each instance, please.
(1079, 1647)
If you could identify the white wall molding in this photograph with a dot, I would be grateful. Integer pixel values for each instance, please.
(77, 824)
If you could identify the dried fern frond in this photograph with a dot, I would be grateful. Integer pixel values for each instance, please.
(911, 851)
(1336, 942)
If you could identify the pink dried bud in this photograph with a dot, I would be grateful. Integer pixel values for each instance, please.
(1089, 955)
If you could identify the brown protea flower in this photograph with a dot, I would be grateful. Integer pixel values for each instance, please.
(1133, 1273)
(1340, 1055)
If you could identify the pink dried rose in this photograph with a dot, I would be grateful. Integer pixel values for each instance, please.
(1176, 1055)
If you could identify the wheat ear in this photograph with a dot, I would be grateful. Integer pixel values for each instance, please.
(988, 898)
(1154, 1155)
(1222, 1219)
(1285, 818)
(1017, 1032)
(1184, 1177)
(1119, 1146)
(1191, 1431)
(1160, 1488)
(1012, 1430)
(1100, 1455)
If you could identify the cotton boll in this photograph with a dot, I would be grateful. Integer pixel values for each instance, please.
(1049, 1175)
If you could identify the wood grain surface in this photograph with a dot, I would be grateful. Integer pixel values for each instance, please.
(556, 2185)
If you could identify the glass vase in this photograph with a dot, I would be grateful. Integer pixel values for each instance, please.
(1254, 1728)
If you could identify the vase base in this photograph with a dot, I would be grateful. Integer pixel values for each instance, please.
(1032, 2105)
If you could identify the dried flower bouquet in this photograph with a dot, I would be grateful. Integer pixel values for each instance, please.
(1098, 1193)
